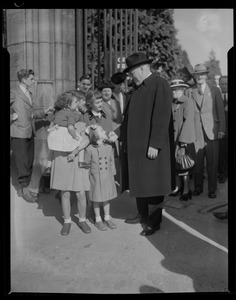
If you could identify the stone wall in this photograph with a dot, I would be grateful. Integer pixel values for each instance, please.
(43, 40)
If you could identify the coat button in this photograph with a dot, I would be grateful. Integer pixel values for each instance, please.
(100, 168)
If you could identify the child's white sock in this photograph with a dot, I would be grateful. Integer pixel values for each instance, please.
(107, 217)
(98, 219)
(82, 219)
(67, 220)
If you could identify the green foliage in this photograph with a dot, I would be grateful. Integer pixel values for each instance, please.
(156, 37)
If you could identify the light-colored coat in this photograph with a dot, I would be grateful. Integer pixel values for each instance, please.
(23, 126)
(209, 114)
(102, 172)
(183, 116)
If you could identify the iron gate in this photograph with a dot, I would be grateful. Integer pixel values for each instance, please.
(105, 37)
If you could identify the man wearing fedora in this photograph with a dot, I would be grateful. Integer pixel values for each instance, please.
(210, 127)
(147, 164)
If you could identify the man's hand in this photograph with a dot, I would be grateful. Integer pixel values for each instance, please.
(48, 110)
(14, 116)
(221, 135)
(112, 137)
(152, 153)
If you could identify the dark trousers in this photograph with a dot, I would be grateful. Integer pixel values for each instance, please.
(23, 154)
(155, 218)
(223, 157)
(211, 152)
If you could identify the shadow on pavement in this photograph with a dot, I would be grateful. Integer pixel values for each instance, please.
(188, 255)
(51, 206)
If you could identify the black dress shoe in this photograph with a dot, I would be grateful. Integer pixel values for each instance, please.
(221, 215)
(212, 195)
(197, 192)
(186, 197)
(25, 193)
(136, 220)
(222, 179)
(149, 230)
(177, 192)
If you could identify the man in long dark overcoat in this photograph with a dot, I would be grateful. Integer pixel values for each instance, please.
(146, 156)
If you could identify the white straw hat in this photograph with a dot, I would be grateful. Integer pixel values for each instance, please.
(178, 83)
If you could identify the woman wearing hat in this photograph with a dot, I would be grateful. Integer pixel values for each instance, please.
(146, 167)
(184, 134)
(110, 104)
(210, 126)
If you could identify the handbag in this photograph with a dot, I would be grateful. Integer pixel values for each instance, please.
(184, 162)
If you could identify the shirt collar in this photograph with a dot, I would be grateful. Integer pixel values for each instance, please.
(93, 114)
(23, 88)
(146, 80)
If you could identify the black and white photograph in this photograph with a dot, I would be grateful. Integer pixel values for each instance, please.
(133, 197)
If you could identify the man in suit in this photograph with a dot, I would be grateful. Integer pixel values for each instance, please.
(209, 122)
(118, 80)
(22, 130)
(223, 143)
(146, 157)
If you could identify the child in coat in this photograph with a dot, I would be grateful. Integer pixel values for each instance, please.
(100, 155)
(67, 177)
(62, 134)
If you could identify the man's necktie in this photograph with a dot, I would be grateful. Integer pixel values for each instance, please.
(225, 100)
(200, 90)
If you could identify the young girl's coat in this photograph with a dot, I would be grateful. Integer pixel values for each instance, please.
(102, 172)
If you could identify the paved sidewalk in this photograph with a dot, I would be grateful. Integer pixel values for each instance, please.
(188, 254)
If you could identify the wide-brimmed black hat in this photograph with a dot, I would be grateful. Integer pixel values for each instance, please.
(118, 77)
(135, 60)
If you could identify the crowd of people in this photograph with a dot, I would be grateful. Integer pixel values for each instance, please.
(157, 135)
